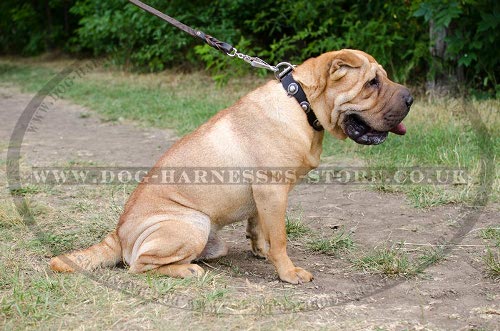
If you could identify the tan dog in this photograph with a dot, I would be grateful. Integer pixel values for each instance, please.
(165, 227)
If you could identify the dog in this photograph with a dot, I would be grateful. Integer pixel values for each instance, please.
(165, 228)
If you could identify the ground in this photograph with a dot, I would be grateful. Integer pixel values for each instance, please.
(348, 292)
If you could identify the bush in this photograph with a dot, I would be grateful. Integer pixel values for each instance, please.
(395, 32)
(471, 38)
(32, 27)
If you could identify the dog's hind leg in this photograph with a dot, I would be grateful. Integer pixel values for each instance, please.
(260, 246)
(169, 247)
(215, 247)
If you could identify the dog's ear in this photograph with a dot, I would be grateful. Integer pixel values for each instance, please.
(341, 61)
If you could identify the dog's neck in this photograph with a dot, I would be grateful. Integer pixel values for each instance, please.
(312, 160)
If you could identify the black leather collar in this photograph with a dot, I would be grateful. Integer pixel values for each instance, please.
(293, 88)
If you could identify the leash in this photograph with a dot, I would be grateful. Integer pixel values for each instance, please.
(282, 71)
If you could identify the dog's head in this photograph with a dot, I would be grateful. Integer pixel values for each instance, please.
(352, 96)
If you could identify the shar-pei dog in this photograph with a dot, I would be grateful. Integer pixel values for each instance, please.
(166, 226)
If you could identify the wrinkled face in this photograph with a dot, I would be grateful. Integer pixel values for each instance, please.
(355, 98)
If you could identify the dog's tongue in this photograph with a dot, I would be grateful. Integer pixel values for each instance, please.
(399, 129)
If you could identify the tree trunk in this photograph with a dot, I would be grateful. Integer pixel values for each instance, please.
(437, 78)
(48, 34)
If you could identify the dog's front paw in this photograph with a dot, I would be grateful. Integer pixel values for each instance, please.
(296, 276)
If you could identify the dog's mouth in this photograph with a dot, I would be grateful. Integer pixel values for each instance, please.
(356, 129)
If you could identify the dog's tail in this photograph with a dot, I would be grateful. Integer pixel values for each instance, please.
(107, 253)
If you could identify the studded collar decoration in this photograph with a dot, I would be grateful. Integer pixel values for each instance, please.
(293, 89)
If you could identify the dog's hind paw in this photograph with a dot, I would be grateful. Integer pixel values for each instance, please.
(181, 270)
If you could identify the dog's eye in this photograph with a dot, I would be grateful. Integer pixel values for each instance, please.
(374, 82)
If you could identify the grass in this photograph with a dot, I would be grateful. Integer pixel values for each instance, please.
(492, 257)
(9, 216)
(491, 233)
(440, 134)
(492, 262)
(341, 242)
(169, 100)
(386, 260)
(28, 297)
(295, 228)
(394, 261)
(27, 189)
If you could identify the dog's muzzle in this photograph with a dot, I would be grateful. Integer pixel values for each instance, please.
(361, 132)
(356, 129)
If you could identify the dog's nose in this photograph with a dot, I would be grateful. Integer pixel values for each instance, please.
(408, 100)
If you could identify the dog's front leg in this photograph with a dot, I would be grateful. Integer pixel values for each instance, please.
(271, 202)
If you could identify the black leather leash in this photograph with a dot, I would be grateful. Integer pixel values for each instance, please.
(217, 44)
(282, 71)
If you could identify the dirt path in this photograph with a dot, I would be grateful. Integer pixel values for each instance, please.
(454, 293)
(68, 132)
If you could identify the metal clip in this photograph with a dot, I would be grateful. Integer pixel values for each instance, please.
(280, 73)
(259, 63)
(280, 70)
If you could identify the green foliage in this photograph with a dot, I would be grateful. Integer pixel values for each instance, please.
(386, 30)
(395, 32)
(31, 27)
(130, 35)
(472, 38)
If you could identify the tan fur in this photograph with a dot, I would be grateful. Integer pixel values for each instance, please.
(104, 254)
(165, 227)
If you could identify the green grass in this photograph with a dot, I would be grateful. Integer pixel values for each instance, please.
(492, 257)
(394, 261)
(427, 258)
(9, 216)
(55, 243)
(491, 233)
(492, 261)
(387, 260)
(295, 228)
(440, 134)
(169, 100)
(339, 243)
(25, 190)
(32, 298)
